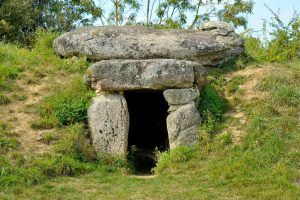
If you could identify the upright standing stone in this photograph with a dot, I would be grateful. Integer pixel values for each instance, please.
(183, 126)
(108, 119)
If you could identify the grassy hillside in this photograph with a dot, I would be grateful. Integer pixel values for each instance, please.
(248, 149)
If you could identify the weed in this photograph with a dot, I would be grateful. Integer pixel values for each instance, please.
(287, 95)
(4, 100)
(211, 102)
(61, 165)
(3, 127)
(50, 137)
(8, 143)
(235, 83)
(44, 123)
(211, 107)
(72, 142)
(169, 158)
(18, 97)
(68, 105)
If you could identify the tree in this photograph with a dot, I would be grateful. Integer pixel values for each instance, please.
(121, 8)
(20, 19)
(173, 13)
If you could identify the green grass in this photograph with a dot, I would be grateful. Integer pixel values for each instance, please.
(66, 106)
(264, 165)
(235, 83)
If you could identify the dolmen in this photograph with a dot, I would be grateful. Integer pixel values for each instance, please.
(137, 58)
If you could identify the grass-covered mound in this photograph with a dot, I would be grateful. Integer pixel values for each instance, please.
(248, 148)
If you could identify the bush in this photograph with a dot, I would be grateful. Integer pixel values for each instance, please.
(281, 44)
(69, 110)
(68, 105)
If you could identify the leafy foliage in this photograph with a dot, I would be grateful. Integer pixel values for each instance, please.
(68, 105)
(210, 102)
(121, 8)
(173, 13)
(20, 20)
(281, 44)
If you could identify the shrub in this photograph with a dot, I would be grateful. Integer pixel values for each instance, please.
(68, 105)
(69, 111)
(281, 44)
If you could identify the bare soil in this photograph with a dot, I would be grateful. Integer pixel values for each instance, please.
(249, 92)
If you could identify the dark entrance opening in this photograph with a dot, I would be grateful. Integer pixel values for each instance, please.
(148, 129)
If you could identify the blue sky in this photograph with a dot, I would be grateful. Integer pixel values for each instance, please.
(287, 8)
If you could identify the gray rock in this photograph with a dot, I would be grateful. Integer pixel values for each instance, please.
(210, 46)
(180, 123)
(181, 96)
(211, 25)
(173, 108)
(108, 119)
(200, 77)
(158, 74)
(187, 137)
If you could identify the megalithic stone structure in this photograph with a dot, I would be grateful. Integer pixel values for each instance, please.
(136, 58)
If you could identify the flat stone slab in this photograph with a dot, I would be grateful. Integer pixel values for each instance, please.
(108, 119)
(181, 96)
(156, 74)
(215, 43)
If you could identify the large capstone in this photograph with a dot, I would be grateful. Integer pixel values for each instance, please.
(108, 119)
(183, 126)
(155, 74)
(211, 46)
